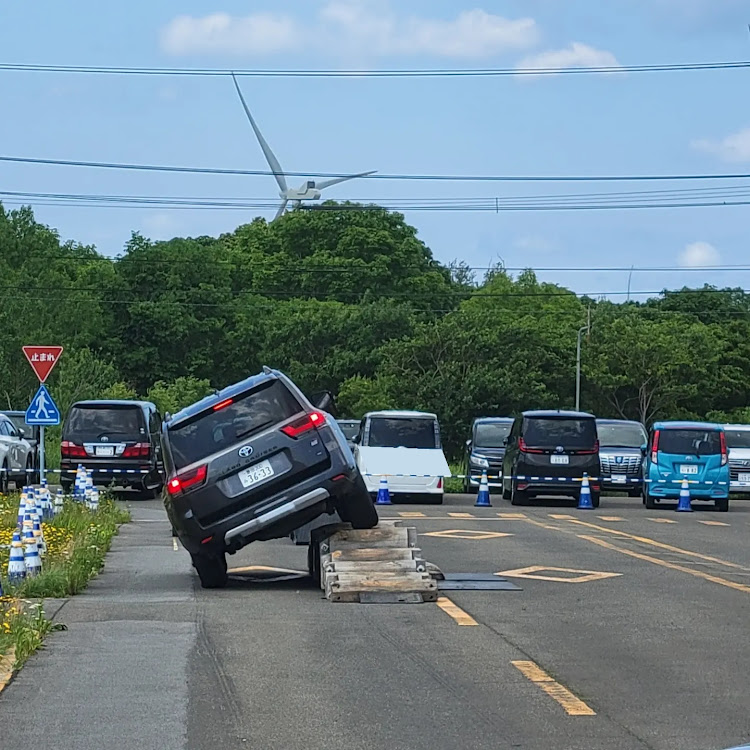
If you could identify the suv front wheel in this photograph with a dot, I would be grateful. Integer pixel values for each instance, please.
(356, 507)
(212, 570)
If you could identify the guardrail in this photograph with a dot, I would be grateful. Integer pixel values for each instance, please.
(562, 480)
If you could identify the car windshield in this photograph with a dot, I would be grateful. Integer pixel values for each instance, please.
(212, 431)
(624, 435)
(349, 428)
(95, 422)
(403, 432)
(491, 434)
(738, 438)
(550, 432)
(690, 442)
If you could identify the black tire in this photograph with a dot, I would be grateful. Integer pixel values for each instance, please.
(722, 504)
(506, 493)
(595, 498)
(634, 492)
(212, 570)
(4, 480)
(518, 497)
(649, 501)
(65, 486)
(356, 506)
(313, 563)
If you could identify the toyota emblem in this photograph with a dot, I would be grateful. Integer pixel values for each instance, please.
(245, 451)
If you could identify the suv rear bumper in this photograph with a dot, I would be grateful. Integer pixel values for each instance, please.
(561, 487)
(272, 518)
(697, 491)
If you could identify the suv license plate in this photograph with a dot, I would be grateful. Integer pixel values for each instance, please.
(688, 469)
(105, 450)
(256, 474)
(560, 460)
(743, 477)
(619, 479)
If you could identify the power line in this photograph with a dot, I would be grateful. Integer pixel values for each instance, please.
(401, 177)
(377, 73)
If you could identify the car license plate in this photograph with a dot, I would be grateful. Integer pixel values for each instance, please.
(105, 450)
(743, 477)
(689, 469)
(619, 479)
(559, 460)
(256, 474)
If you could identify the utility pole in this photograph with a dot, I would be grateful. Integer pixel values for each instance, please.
(581, 331)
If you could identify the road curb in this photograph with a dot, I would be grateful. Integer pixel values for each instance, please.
(7, 670)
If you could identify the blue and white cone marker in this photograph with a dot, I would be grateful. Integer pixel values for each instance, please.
(483, 496)
(59, 501)
(584, 499)
(39, 536)
(31, 554)
(683, 504)
(39, 503)
(94, 501)
(21, 509)
(16, 564)
(384, 496)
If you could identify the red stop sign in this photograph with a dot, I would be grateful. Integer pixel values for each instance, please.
(42, 359)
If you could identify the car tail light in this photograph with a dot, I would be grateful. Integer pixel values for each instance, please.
(307, 423)
(222, 404)
(139, 450)
(525, 448)
(655, 448)
(521, 486)
(187, 480)
(440, 483)
(590, 452)
(71, 450)
(723, 443)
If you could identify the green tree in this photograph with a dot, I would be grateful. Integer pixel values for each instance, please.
(176, 395)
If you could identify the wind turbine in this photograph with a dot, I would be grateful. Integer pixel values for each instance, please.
(310, 190)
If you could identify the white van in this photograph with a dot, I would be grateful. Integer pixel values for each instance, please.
(405, 447)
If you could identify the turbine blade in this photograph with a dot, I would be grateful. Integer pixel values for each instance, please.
(336, 180)
(273, 162)
(281, 210)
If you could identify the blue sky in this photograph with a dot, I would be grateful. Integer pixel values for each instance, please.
(656, 123)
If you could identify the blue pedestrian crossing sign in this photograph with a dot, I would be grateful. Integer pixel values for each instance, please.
(42, 409)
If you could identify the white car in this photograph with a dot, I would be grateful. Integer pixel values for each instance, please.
(16, 455)
(738, 442)
(403, 446)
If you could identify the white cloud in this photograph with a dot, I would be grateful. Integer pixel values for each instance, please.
(364, 27)
(734, 148)
(698, 254)
(576, 55)
(256, 34)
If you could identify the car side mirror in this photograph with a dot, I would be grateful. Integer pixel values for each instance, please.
(21, 432)
(644, 448)
(355, 439)
(506, 441)
(468, 443)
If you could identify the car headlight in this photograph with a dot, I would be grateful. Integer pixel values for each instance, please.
(481, 463)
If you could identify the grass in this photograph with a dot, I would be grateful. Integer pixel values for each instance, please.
(77, 541)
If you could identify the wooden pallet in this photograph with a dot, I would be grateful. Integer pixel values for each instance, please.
(380, 565)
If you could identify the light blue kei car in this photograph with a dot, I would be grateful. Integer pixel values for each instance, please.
(696, 451)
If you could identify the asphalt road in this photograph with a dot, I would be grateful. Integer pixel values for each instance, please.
(630, 631)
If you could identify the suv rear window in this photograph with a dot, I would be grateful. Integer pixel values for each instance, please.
(549, 432)
(690, 442)
(738, 438)
(214, 431)
(92, 422)
(403, 432)
(491, 434)
(622, 435)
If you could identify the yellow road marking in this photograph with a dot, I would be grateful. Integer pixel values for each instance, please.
(656, 561)
(572, 705)
(610, 518)
(660, 520)
(266, 569)
(6, 667)
(511, 516)
(466, 534)
(461, 515)
(713, 523)
(174, 545)
(461, 617)
(660, 545)
(560, 516)
(534, 571)
(412, 514)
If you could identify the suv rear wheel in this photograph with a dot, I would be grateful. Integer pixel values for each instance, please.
(722, 504)
(212, 570)
(356, 507)
(517, 497)
(648, 499)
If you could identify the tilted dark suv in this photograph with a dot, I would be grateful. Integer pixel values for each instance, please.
(118, 440)
(255, 462)
(548, 452)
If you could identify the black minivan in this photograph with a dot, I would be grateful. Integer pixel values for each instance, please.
(548, 452)
(119, 440)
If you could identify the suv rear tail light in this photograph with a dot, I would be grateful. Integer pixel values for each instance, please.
(307, 423)
(591, 452)
(187, 480)
(71, 450)
(655, 448)
(525, 449)
(723, 444)
(139, 450)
